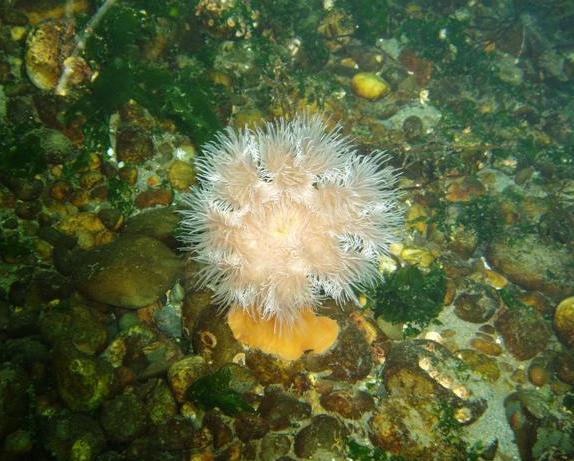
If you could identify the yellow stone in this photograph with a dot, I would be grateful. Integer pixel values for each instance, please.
(370, 86)
(418, 256)
(181, 175)
(494, 279)
(417, 218)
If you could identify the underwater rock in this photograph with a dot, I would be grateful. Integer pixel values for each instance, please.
(222, 433)
(324, 436)
(482, 364)
(181, 175)
(249, 426)
(477, 303)
(154, 197)
(49, 53)
(74, 437)
(213, 339)
(159, 223)
(564, 321)
(524, 330)
(348, 404)
(273, 446)
(84, 382)
(410, 429)
(14, 398)
(464, 189)
(535, 265)
(281, 410)
(133, 144)
(426, 369)
(79, 324)
(131, 272)
(370, 86)
(349, 360)
(124, 417)
(184, 373)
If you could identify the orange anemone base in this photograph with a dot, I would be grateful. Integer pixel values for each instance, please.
(310, 332)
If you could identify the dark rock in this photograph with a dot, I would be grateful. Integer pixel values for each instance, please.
(74, 437)
(14, 398)
(84, 382)
(477, 303)
(274, 446)
(124, 417)
(280, 410)
(524, 331)
(325, 434)
(348, 404)
(249, 426)
(222, 433)
(349, 360)
(134, 144)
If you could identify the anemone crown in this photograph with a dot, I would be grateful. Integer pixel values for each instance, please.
(287, 215)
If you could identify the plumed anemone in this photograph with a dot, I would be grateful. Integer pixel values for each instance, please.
(286, 216)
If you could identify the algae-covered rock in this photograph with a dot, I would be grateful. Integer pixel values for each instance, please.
(84, 382)
(131, 272)
(324, 434)
(535, 265)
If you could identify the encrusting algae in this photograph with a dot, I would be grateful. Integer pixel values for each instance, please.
(286, 216)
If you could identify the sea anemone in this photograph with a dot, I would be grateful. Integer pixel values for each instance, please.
(287, 216)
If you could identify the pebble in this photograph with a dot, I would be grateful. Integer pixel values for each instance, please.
(564, 321)
(370, 86)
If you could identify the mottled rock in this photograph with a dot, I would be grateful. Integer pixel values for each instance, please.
(222, 433)
(348, 404)
(464, 189)
(324, 436)
(564, 366)
(133, 144)
(14, 398)
(249, 426)
(564, 321)
(426, 369)
(84, 327)
(181, 175)
(273, 446)
(179, 434)
(112, 218)
(212, 338)
(408, 427)
(24, 189)
(154, 197)
(535, 265)
(280, 410)
(74, 437)
(477, 303)
(349, 360)
(84, 382)
(131, 272)
(18, 444)
(184, 373)
(49, 50)
(482, 364)
(124, 417)
(524, 331)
